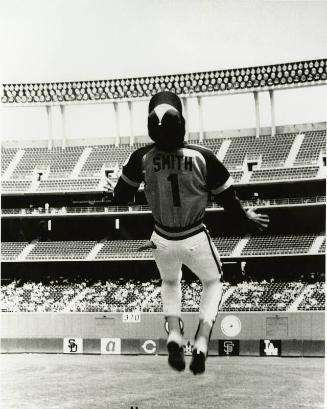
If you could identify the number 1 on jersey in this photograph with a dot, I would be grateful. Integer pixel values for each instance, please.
(173, 179)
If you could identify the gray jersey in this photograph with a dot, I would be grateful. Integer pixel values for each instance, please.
(177, 185)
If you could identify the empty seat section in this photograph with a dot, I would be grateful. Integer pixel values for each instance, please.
(313, 144)
(10, 250)
(66, 185)
(15, 186)
(286, 244)
(7, 155)
(61, 161)
(296, 173)
(61, 250)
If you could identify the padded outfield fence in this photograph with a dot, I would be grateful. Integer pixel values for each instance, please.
(254, 334)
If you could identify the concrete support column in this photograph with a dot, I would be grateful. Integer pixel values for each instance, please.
(272, 112)
(63, 125)
(257, 113)
(200, 112)
(116, 108)
(186, 116)
(49, 111)
(131, 123)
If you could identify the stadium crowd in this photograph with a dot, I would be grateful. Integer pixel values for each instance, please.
(80, 295)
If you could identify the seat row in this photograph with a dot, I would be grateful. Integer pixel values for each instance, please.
(128, 249)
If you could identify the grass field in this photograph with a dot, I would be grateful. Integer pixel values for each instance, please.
(91, 381)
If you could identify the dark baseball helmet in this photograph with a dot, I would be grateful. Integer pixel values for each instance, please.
(166, 124)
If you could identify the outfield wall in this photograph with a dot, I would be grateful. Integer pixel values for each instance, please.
(245, 334)
(253, 325)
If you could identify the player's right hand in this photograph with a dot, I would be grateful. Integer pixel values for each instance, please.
(107, 186)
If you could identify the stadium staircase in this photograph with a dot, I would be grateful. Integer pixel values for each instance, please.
(22, 256)
(294, 150)
(80, 163)
(239, 247)
(93, 253)
(314, 249)
(223, 149)
(226, 295)
(71, 305)
(294, 306)
(12, 165)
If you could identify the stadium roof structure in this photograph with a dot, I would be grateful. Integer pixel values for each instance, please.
(207, 83)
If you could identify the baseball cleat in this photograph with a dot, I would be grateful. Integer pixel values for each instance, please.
(197, 365)
(176, 356)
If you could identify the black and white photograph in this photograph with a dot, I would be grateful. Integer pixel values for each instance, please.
(163, 204)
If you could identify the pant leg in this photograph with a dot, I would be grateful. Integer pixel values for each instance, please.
(169, 266)
(202, 257)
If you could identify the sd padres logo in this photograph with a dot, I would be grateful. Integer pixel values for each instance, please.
(72, 345)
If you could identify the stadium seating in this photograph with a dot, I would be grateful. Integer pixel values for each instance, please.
(105, 155)
(280, 244)
(272, 150)
(296, 173)
(61, 250)
(226, 245)
(68, 185)
(322, 248)
(7, 155)
(253, 296)
(57, 164)
(38, 297)
(130, 295)
(12, 186)
(60, 162)
(114, 296)
(128, 249)
(10, 250)
(122, 249)
(313, 144)
(314, 299)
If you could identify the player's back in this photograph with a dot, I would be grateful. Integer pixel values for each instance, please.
(177, 184)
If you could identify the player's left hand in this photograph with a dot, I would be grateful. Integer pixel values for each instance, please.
(147, 245)
(261, 221)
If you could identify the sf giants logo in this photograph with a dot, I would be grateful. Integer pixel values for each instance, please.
(269, 348)
(228, 347)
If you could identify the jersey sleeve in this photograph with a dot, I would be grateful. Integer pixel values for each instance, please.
(218, 177)
(132, 169)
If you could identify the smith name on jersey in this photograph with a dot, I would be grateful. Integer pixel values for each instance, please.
(177, 185)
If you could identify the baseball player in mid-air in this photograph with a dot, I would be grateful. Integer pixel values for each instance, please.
(178, 179)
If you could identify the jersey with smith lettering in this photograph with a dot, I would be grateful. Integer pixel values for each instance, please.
(177, 185)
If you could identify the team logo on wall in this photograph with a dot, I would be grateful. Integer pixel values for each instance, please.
(229, 347)
(73, 346)
(110, 346)
(270, 347)
(149, 346)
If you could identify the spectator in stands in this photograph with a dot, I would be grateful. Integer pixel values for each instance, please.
(178, 180)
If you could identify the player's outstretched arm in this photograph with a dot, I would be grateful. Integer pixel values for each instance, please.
(251, 219)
